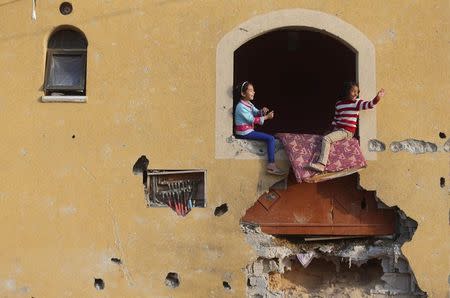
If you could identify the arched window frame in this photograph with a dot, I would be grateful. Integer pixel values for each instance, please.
(225, 147)
(75, 48)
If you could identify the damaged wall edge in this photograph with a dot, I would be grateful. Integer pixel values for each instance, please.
(277, 255)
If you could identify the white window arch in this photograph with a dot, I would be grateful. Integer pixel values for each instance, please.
(258, 25)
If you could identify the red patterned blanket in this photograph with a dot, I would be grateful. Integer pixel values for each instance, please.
(301, 149)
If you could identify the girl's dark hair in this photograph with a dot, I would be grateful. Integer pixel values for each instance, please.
(241, 88)
(347, 87)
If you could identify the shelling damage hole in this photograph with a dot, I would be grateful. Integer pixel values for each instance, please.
(221, 210)
(442, 182)
(116, 260)
(141, 165)
(442, 135)
(327, 265)
(181, 190)
(172, 280)
(99, 284)
(226, 285)
(73, 136)
(331, 278)
(413, 146)
(65, 8)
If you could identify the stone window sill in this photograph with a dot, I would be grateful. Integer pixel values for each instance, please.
(62, 98)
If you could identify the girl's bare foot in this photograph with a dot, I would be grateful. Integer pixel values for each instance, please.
(274, 170)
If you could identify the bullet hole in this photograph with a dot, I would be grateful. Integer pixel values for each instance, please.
(116, 260)
(226, 285)
(442, 182)
(221, 210)
(442, 135)
(172, 280)
(141, 165)
(65, 8)
(73, 136)
(99, 284)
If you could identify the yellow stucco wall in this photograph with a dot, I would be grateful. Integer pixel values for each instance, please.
(68, 205)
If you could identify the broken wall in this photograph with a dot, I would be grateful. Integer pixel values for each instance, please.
(69, 201)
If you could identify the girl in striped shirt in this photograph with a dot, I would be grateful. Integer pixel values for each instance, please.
(345, 121)
(245, 118)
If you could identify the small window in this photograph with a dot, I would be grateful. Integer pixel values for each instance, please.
(65, 70)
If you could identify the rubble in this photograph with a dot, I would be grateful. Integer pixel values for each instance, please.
(277, 271)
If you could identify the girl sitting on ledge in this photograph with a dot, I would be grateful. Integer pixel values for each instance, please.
(245, 118)
(345, 121)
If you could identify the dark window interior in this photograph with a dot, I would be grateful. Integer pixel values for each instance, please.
(67, 39)
(65, 72)
(297, 73)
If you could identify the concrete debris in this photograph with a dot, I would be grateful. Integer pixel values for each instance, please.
(447, 146)
(270, 266)
(326, 248)
(258, 267)
(396, 283)
(262, 243)
(257, 282)
(397, 253)
(376, 146)
(413, 146)
(280, 269)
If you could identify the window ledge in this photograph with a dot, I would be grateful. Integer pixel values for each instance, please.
(63, 98)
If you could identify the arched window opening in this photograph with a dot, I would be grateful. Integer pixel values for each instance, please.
(299, 74)
(65, 70)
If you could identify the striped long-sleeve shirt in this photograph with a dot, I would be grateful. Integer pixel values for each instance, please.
(347, 113)
(245, 118)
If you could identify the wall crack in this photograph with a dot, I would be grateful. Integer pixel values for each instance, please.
(119, 247)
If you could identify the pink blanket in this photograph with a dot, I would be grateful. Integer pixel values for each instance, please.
(301, 149)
